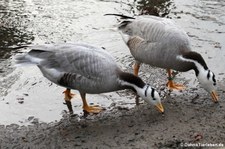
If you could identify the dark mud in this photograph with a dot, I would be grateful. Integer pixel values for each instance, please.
(32, 110)
(139, 127)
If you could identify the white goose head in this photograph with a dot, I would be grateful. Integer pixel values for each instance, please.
(205, 76)
(151, 96)
(145, 91)
(207, 80)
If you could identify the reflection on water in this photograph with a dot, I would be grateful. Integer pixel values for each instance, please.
(13, 26)
(153, 7)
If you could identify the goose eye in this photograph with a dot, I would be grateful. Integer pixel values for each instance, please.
(153, 99)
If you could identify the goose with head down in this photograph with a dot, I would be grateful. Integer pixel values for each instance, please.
(87, 69)
(161, 43)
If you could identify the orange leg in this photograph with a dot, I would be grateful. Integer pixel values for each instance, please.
(170, 84)
(136, 67)
(90, 109)
(68, 97)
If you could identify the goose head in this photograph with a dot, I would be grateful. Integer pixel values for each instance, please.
(208, 82)
(145, 91)
(205, 77)
(151, 96)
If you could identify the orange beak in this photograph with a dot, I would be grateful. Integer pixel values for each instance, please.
(215, 96)
(160, 107)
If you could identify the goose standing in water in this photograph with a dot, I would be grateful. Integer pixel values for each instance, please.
(87, 69)
(161, 43)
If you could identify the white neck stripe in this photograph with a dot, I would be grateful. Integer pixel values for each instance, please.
(199, 66)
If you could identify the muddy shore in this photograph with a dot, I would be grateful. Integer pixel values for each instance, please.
(139, 127)
(32, 111)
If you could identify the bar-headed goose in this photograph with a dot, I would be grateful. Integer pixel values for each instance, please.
(87, 69)
(161, 43)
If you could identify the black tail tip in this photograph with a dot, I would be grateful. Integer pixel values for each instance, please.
(119, 15)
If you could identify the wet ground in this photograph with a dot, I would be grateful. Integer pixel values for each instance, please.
(32, 111)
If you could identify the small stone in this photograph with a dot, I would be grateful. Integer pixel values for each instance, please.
(30, 118)
(20, 99)
(34, 83)
(130, 125)
(25, 94)
(24, 139)
(21, 102)
(35, 121)
(198, 136)
(122, 108)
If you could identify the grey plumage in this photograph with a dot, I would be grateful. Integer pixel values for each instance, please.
(159, 42)
(77, 66)
(87, 69)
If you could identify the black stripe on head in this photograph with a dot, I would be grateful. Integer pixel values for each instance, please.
(196, 57)
(208, 75)
(152, 93)
(146, 90)
(214, 79)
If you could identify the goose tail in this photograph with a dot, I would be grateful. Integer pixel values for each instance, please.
(119, 15)
(27, 59)
(125, 20)
(24, 59)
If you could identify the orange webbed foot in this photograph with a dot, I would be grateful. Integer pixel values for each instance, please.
(173, 86)
(170, 84)
(93, 109)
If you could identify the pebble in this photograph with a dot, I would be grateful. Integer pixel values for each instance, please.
(30, 118)
(35, 121)
(197, 136)
(21, 102)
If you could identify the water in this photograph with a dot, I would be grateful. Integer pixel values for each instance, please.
(27, 96)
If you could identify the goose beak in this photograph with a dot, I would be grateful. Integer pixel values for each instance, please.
(215, 97)
(160, 107)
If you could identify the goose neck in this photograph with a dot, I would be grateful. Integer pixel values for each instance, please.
(199, 64)
(130, 81)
